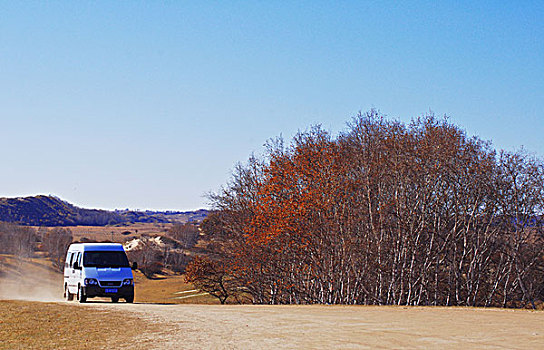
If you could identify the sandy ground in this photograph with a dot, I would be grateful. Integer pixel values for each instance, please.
(340, 327)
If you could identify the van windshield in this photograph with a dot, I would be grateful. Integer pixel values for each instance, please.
(105, 259)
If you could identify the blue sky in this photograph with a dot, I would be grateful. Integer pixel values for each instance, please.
(149, 105)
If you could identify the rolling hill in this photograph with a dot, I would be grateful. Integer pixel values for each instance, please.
(44, 210)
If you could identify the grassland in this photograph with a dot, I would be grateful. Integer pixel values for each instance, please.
(36, 325)
(168, 290)
(118, 233)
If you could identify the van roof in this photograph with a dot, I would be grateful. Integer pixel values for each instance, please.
(96, 247)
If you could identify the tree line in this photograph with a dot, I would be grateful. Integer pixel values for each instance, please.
(23, 242)
(384, 213)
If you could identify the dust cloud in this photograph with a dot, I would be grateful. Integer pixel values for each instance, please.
(25, 279)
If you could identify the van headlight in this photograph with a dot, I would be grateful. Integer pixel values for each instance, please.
(90, 282)
(127, 282)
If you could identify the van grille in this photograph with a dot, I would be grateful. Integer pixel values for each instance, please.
(110, 283)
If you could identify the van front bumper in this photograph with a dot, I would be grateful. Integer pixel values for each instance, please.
(97, 291)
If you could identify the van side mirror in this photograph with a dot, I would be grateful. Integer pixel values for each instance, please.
(76, 266)
(134, 265)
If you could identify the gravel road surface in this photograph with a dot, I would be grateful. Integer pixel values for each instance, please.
(337, 327)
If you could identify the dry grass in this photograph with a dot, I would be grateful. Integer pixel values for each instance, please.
(35, 325)
(118, 233)
(12, 264)
(167, 290)
(115, 233)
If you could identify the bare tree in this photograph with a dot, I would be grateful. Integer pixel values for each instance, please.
(17, 240)
(187, 234)
(149, 258)
(211, 277)
(56, 243)
(386, 213)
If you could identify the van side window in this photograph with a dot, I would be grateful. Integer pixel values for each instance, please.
(79, 258)
(70, 260)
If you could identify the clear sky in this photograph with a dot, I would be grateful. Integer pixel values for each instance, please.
(149, 104)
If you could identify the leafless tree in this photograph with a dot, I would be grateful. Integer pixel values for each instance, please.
(17, 240)
(386, 213)
(56, 243)
(149, 258)
(211, 277)
(186, 234)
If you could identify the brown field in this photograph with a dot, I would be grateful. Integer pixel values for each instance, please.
(168, 290)
(118, 233)
(38, 325)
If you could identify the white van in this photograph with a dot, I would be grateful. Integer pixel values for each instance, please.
(98, 270)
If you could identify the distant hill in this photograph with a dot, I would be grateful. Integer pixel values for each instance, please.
(53, 211)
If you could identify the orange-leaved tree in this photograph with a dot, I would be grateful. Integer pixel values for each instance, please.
(385, 213)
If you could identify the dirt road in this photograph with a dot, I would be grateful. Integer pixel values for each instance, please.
(341, 327)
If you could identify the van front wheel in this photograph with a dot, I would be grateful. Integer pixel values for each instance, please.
(114, 299)
(80, 296)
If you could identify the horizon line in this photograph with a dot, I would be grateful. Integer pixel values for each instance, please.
(103, 208)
